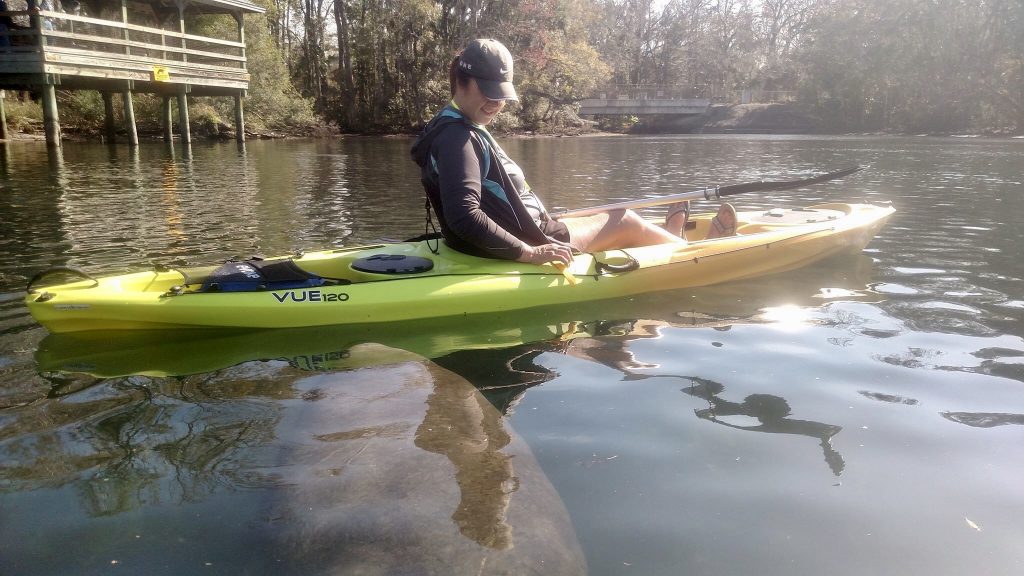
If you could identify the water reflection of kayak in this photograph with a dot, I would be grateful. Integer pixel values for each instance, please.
(407, 281)
(192, 351)
(182, 352)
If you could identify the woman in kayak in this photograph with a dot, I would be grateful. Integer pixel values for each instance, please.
(481, 197)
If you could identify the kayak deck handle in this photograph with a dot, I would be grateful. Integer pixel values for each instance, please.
(59, 270)
(603, 268)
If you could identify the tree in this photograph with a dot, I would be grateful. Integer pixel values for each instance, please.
(272, 102)
(915, 65)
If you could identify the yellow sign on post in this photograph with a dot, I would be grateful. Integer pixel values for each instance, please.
(160, 74)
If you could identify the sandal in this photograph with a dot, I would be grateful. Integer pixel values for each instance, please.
(676, 209)
(718, 227)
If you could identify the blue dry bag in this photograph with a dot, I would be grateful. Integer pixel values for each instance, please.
(255, 274)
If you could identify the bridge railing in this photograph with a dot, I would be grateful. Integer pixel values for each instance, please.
(753, 96)
(650, 92)
(664, 92)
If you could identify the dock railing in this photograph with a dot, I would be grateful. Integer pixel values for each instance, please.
(72, 45)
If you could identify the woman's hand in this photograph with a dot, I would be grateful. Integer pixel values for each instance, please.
(546, 253)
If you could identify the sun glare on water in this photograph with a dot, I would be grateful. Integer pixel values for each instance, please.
(787, 317)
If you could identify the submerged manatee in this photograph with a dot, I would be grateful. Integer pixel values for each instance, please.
(408, 469)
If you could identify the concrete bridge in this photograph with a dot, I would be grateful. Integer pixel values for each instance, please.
(644, 100)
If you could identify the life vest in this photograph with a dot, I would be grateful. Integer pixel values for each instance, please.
(499, 198)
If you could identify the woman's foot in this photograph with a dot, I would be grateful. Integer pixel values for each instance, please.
(724, 223)
(677, 216)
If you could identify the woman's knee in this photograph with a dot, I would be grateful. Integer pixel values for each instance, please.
(623, 218)
(627, 228)
(633, 222)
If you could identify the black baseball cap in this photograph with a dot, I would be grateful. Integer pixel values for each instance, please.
(491, 64)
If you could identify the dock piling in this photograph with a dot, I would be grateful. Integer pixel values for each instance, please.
(3, 117)
(166, 118)
(183, 129)
(51, 121)
(129, 119)
(239, 119)
(108, 117)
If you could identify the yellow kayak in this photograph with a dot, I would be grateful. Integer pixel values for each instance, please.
(409, 281)
(159, 353)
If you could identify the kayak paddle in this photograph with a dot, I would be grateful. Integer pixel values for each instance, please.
(710, 193)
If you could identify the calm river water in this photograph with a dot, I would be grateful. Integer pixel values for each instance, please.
(864, 415)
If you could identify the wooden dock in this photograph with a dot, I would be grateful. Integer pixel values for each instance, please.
(53, 50)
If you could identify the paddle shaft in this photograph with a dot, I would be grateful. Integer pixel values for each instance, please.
(709, 193)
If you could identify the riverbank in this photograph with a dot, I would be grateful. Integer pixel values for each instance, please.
(780, 118)
(82, 119)
(29, 131)
(771, 118)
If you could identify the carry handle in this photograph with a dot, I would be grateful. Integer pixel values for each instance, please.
(59, 270)
(603, 268)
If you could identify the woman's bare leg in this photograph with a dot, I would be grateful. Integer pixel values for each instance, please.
(615, 229)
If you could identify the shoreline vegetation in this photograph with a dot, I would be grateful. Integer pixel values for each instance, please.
(750, 119)
(375, 67)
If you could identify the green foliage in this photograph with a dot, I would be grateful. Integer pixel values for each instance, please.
(382, 65)
(913, 65)
(204, 118)
(22, 115)
(916, 66)
(559, 67)
(81, 109)
(621, 124)
(272, 102)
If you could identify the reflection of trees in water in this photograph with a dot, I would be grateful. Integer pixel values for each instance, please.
(984, 419)
(990, 362)
(913, 357)
(141, 441)
(890, 398)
